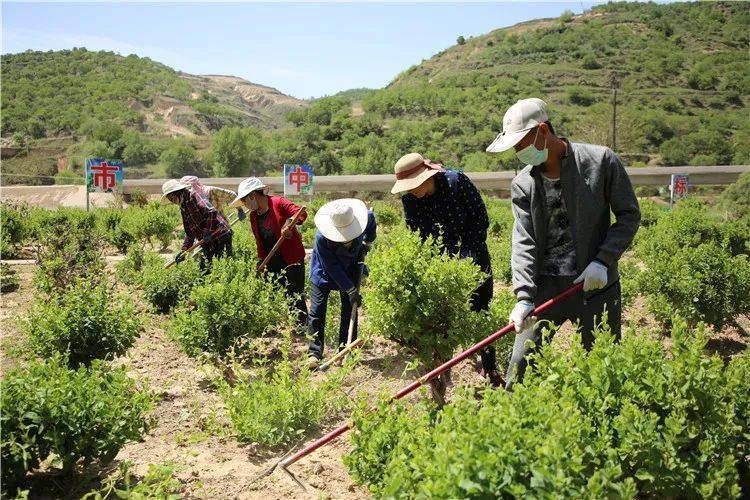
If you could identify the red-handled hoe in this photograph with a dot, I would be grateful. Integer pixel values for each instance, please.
(284, 231)
(199, 243)
(287, 461)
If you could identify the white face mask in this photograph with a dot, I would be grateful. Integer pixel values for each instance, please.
(250, 203)
(530, 155)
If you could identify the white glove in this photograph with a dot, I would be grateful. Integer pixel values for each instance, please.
(519, 316)
(594, 277)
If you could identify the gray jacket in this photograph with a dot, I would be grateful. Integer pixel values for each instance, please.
(593, 183)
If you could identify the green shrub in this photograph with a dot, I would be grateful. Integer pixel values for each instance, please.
(85, 323)
(500, 253)
(113, 230)
(630, 284)
(88, 414)
(651, 212)
(13, 228)
(280, 406)
(500, 216)
(159, 483)
(736, 198)
(130, 270)
(8, 279)
(68, 177)
(389, 432)
(69, 249)
(386, 215)
(479, 325)
(704, 283)
(138, 198)
(165, 288)
(691, 224)
(419, 296)
(580, 96)
(155, 220)
(232, 304)
(243, 242)
(621, 421)
(590, 61)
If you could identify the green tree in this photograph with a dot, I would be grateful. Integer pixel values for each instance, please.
(237, 152)
(178, 160)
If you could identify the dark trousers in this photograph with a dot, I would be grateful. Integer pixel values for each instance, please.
(585, 309)
(316, 321)
(480, 301)
(221, 248)
(292, 279)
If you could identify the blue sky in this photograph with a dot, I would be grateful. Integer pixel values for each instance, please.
(306, 50)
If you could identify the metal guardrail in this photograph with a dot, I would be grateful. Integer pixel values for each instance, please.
(485, 181)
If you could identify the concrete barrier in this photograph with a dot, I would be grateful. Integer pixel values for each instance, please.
(486, 181)
(75, 196)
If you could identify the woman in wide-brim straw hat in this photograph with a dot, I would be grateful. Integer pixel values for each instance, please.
(269, 216)
(444, 203)
(346, 228)
(201, 222)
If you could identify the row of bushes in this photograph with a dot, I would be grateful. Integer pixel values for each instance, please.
(621, 421)
(696, 265)
(22, 225)
(218, 314)
(67, 402)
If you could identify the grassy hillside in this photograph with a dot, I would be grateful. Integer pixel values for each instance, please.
(55, 93)
(683, 73)
(59, 107)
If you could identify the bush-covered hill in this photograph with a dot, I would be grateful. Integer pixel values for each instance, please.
(682, 72)
(56, 92)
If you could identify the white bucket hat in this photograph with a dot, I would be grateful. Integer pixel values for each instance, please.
(171, 186)
(518, 120)
(246, 187)
(342, 220)
(412, 170)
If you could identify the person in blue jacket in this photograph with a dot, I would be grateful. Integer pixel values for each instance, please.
(346, 229)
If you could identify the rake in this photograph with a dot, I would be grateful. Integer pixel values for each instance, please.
(286, 461)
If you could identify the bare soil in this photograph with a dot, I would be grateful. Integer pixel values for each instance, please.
(193, 432)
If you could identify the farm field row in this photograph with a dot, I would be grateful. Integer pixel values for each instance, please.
(215, 390)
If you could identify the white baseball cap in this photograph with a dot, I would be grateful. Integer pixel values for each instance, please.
(518, 120)
(342, 220)
(246, 187)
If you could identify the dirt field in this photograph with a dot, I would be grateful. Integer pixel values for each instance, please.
(193, 432)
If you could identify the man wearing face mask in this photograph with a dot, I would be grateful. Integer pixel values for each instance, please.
(269, 216)
(562, 233)
(444, 203)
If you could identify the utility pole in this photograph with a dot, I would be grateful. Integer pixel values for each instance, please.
(614, 117)
(614, 80)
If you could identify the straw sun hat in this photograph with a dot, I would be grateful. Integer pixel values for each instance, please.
(412, 170)
(342, 220)
(171, 186)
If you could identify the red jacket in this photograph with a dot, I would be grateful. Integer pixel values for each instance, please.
(292, 250)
